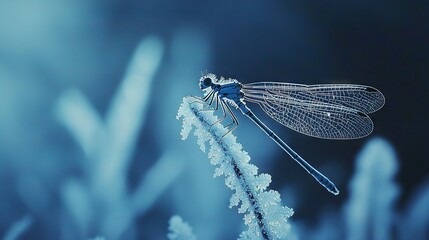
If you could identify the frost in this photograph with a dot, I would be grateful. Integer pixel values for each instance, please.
(263, 213)
(262, 181)
(179, 230)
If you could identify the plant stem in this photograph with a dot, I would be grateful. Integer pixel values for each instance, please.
(238, 173)
(253, 201)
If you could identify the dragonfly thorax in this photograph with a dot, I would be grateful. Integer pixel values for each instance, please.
(224, 88)
(231, 91)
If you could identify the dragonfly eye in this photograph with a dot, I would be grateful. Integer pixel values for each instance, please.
(205, 83)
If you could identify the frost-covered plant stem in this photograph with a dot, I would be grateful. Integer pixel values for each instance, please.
(264, 214)
(238, 173)
(252, 199)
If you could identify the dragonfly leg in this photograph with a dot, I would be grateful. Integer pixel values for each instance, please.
(223, 111)
(209, 95)
(234, 120)
(196, 99)
(204, 101)
(214, 96)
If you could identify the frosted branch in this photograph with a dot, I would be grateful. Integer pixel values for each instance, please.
(262, 209)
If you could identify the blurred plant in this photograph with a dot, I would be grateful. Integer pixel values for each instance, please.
(373, 192)
(189, 52)
(179, 230)
(97, 238)
(18, 228)
(414, 223)
(264, 215)
(100, 202)
(369, 212)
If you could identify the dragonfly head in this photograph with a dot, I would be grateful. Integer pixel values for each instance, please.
(207, 81)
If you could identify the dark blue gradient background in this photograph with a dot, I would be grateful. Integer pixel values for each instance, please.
(48, 47)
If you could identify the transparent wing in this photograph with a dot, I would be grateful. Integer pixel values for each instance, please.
(362, 98)
(313, 118)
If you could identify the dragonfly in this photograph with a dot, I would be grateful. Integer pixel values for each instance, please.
(327, 111)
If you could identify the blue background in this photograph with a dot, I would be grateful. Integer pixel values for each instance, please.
(48, 47)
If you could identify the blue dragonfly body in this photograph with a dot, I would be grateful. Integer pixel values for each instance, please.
(330, 111)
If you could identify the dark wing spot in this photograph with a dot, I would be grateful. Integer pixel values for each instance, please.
(371, 89)
(362, 114)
